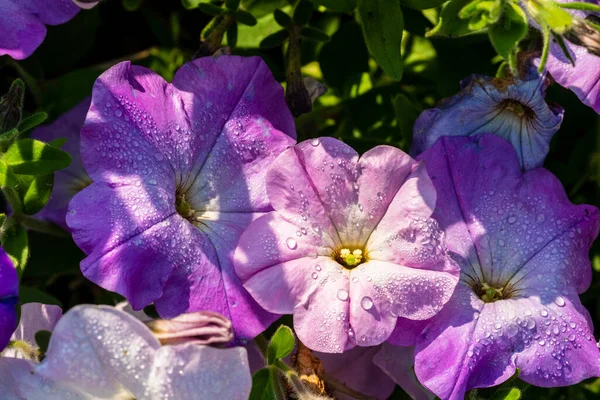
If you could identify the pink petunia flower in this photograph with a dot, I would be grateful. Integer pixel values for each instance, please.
(350, 246)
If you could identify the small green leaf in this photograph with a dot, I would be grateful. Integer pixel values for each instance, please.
(261, 386)
(232, 4)
(7, 139)
(284, 20)
(16, 244)
(232, 35)
(244, 17)
(274, 39)
(281, 345)
(563, 46)
(318, 35)
(422, 4)
(507, 394)
(547, 12)
(337, 5)
(576, 5)
(32, 157)
(42, 339)
(32, 121)
(510, 29)
(36, 191)
(58, 142)
(382, 26)
(210, 9)
(450, 24)
(28, 294)
(302, 12)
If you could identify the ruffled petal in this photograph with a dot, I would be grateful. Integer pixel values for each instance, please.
(9, 291)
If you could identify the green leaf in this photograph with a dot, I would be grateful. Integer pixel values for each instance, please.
(250, 37)
(210, 9)
(42, 339)
(506, 34)
(547, 12)
(302, 12)
(382, 25)
(232, 34)
(507, 394)
(281, 344)
(16, 244)
(28, 294)
(232, 4)
(337, 5)
(244, 17)
(576, 5)
(7, 139)
(260, 8)
(284, 20)
(261, 386)
(191, 4)
(318, 35)
(36, 191)
(32, 157)
(422, 4)
(563, 46)
(274, 39)
(450, 24)
(32, 121)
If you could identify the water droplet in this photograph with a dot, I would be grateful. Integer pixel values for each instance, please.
(366, 303)
(291, 243)
(342, 294)
(396, 309)
(360, 206)
(559, 301)
(543, 312)
(512, 220)
(355, 279)
(314, 275)
(318, 267)
(315, 142)
(118, 113)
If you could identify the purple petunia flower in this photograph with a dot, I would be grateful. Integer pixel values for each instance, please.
(582, 78)
(22, 23)
(511, 108)
(523, 251)
(71, 180)
(9, 291)
(101, 352)
(178, 173)
(350, 246)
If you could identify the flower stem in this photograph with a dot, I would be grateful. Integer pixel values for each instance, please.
(340, 387)
(213, 35)
(296, 94)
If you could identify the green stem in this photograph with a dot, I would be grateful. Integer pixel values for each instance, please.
(262, 344)
(213, 35)
(30, 81)
(275, 384)
(545, 48)
(296, 94)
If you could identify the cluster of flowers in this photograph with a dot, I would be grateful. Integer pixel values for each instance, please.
(193, 196)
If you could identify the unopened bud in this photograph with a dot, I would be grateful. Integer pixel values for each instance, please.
(11, 106)
(204, 327)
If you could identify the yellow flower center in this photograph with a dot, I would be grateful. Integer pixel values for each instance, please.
(349, 259)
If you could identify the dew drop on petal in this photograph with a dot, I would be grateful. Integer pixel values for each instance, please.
(559, 301)
(291, 243)
(396, 309)
(342, 294)
(315, 142)
(366, 303)
(315, 275)
(318, 267)
(543, 312)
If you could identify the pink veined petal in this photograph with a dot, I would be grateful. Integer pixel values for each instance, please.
(100, 350)
(354, 368)
(398, 363)
(191, 371)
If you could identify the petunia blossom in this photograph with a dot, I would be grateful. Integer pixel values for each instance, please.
(9, 291)
(99, 352)
(178, 173)
(34, 317)
(23, 23)
(71, 180)
(350, 246)
(583, 76)
(523, 251)
(512, 108)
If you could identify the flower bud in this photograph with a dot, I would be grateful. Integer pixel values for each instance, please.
(203, 327)
(11, 106)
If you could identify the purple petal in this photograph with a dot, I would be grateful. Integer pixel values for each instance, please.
(9, 291)
(191, 371)
(71, 180)
(398, 363)
(510, 108)
(34, 317)
(207, 139)
(519, 234)
(354, 368)
(22, 22)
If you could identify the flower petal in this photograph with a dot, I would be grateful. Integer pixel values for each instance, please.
(100, 350)
(182, 371)
(34, 317)
(9, 290)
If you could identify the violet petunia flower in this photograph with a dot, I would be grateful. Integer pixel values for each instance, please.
(178, 173)
(23, 23)
(71, 180)
(99, 352)
(523, 251)
(34, 317)
(350, 246)
(9, 291)
(583, 78)
(511, 108)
